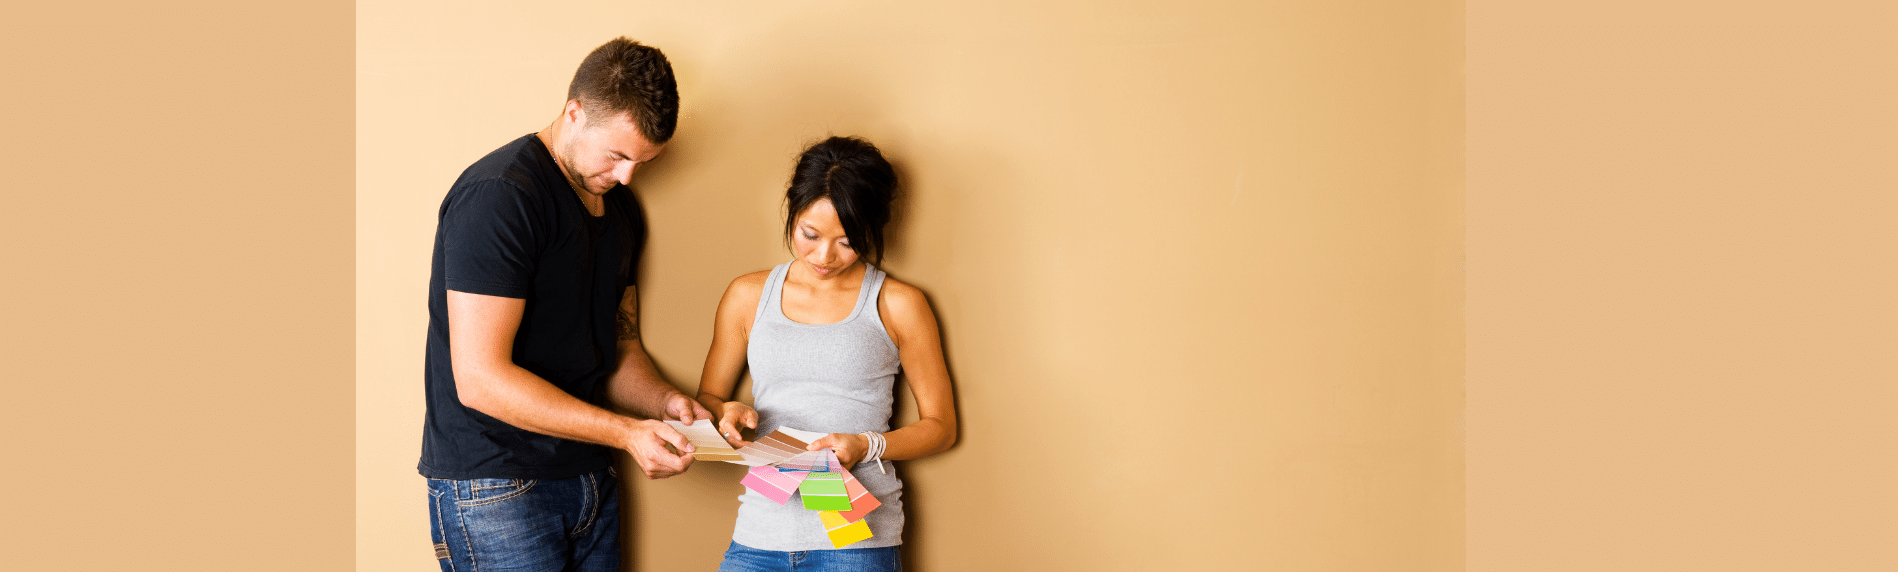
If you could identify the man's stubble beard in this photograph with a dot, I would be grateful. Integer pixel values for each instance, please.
(574, 178)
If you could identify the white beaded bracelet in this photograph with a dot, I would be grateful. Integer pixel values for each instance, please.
(875, 451)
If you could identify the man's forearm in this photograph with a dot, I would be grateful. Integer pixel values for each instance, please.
(520, 398)
(636, 387)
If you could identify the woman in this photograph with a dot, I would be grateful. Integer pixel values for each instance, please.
(824, 336)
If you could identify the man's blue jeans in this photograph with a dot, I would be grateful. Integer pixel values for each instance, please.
(493, 525)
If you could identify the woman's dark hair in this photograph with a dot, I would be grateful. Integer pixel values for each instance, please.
(859, 183)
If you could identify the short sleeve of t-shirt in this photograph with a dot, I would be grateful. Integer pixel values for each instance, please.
(489, 240)
(633, 229)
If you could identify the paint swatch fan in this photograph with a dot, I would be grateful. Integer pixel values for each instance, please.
(782, 468)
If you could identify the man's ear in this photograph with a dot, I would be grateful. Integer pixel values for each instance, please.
(574, 114)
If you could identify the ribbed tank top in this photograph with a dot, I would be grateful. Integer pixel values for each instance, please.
(830, 378)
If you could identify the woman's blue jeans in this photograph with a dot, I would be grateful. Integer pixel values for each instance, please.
(741, 558)
(494, 525)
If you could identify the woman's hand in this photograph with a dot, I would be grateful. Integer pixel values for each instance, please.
(684, 409)
(850, 447)
(733, 415)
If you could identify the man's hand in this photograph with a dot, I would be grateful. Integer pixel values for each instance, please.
(647, 442)
(684, 409)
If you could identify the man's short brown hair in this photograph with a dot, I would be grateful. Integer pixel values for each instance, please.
(624, 76)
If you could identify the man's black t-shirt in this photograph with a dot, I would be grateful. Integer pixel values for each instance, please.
(511, 226)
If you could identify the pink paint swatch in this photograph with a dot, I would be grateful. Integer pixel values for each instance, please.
(861, 501)
(773, 484)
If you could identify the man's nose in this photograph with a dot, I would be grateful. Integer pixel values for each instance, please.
(623, 172)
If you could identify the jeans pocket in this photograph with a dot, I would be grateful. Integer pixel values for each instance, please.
(490, 491)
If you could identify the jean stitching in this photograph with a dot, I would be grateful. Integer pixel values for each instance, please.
(513, 483)
(438, 524)
(473, 564)
(525, 485)
(589, 510)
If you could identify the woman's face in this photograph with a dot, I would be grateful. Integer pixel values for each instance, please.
(818, 240)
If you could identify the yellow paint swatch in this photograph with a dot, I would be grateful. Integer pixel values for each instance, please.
(843, 532)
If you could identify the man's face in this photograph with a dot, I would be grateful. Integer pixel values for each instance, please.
(597, 157)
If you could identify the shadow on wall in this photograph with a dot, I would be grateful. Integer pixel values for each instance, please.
(928, 178)
(903, 411)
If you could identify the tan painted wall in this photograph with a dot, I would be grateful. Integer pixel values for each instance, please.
(1680, 283)
(1683, 286)
(1196, 264)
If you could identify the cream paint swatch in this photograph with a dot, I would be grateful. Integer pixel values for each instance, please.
(784, 448)
(772, 449)
(707, 445)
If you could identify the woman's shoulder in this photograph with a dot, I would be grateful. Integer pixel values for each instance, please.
(741, 297)
(905, 312)
(749, 283)
(901, 300)
(755, 279)
(898, 289)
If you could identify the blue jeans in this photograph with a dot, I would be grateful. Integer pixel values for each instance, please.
(493, 525)
(741, 558)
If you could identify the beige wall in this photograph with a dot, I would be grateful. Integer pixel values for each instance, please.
(1683, 286)
(1680, 316)
(175, 286)
(1196, 265)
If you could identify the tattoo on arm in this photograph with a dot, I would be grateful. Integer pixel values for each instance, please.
(628, 326)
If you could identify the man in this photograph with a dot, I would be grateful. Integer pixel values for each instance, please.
(534, 357)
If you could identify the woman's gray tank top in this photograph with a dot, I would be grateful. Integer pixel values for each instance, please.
(829, 378)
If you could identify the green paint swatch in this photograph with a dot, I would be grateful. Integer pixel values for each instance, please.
(824, 491)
